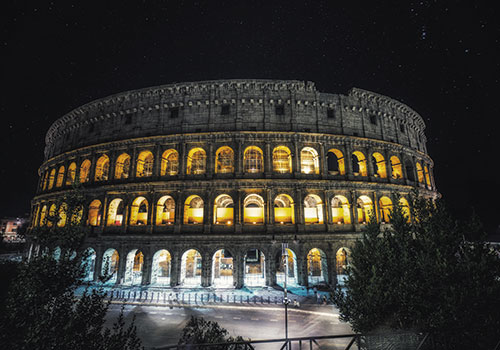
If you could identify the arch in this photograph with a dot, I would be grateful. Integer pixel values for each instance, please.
(60, 176)
(193, 210)
(341, 213)
(254, 268)
(88, 263)
(309, 161)
(43, 216)
(365, 209)
(133, 267)
(427, 176)
(94, 216)
(405, 208)
(336, 162)
(56, 254)
(145, 161)
(223, 210)
(109, 270)
(284, 209)
(45, 180)
(52, 215)
(139, 211)
(102, 168)
(253, 160)
(196, 161)
(385, 207)
(420, 173)
(379, 165)
(359, 164)
(169, 163)
(52, 178)
(62, 214)
(222, 269)
(191, 268)
(253, 209)
(85, 171)
(70, 176)
(286, 262)
(342, 258)
(161, 268)
(224, 158)
(317, 267)
(313, 209)
(282, 160)
(76, 215)
(397, 168)
(165, 211)
(115, 212)
(122, 167)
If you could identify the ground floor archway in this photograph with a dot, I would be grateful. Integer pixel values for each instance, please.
(317, 270)
(289, 268)
(222, 269)
(161, 268)
(191, 269)
(109, 270)
(133, 268)
(254, 268)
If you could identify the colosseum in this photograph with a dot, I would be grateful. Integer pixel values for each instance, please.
(199, 184)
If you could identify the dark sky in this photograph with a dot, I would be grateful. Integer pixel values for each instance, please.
(439, 57)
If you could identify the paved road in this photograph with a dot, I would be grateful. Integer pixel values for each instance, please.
(160, 326)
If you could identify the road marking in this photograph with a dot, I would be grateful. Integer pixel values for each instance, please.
(272, 320)
(254, 319)
(219, 316)
(153, 312)
(163, 318)
(236, 318)
(292, 321)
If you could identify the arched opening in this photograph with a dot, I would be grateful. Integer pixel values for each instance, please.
(133, 267)
(427, 176)
(165, 211)
(196, 161)
(70, 176)
(336, 162)
(379, 165)
(313, 209)
(223, 210)
(359, 164)
(139, 212)
(191, 269)
(309, 161)
(397, 168)
(253, 209)
(56, 254)
(109, 269)
(161, 269)
(115, 212)
(410, 170)
(317, 269)
(85, 171)
(405, 207)
(224, 160)
(340, 210)
(255, 268)
(122, 167)
(169, 163)
(284, 211)
(385, 206)
(282, 160)
(420, 173)
(76, 216)
(52, 215)
(342, 259)
(286, 263)
(60, 176)
(43, 216)
(45, 180)
(62, 214)
(222, 269)
(365, 209)
(89, 264)
(193, 210)
(51, 178)
(102, 168)
(145, 162)
(94, 217)
(253, 160)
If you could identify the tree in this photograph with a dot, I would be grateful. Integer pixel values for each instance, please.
(200, 331)
(431, 273)
(42, 311)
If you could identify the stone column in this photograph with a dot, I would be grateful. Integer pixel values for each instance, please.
(238, 269)
(133, 164)
(369, 163)
(328, 207)
(299, 209)
(157, 161)
(175, 269)
(93, 164)
(354, 208)
(296, 158)
(98, 263)
(147, 267)
(302, 269)
(332, 270)
(208, 213)
(323, 166)
(268, 169)
(211, 159)
(122, 265)
(238, 159)
(270, 269)
(348, 160)
(238, 212)
(206, 270)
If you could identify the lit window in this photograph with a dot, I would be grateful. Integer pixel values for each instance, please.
(145, 162)
(359, 164)
(253, 209)
(165, 211)
(139, 212)
(102, 168)
(225, 160)
(284, 209)
(378, 162)
(282, 160)
(365, 209)
(336, 162)
(309, 161)
(223, 210)
(70, 177)
(51, 178)
(253, 160)
(115, 212)
(85, 171)
(313, 209)
(385, 206)
(340, 210)
(193, 210)
(60, 176)
(94, 216)
(397, 168)
(196, 161)
(420, 173)
(169, 163)
(122, 168)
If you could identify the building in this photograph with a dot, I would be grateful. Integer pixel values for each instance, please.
(199, 183)
(10, 227)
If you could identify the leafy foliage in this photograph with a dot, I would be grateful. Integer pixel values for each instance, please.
(424, 275)
(200, 331)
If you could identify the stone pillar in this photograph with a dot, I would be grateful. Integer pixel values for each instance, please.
(238, 269)
(206, 270)
(238, 159)
(332, 270)
(211, 159)
(354, 208)
(238, 215)
(133, 164)
(328, 207)
(348, 160)
(112, 164)
(389, 167)
(302, 269)
(182, 160)
(93, 164)
(268, 169)
(122, 265)
(296, 158)
(157, 161)
(208, 213)
(175, 269)
(299, 209)
(323, 165)
(179, 212)
(147, 267)
(369, 163)
(98, 263)
(154, 209)
(270, 268)
(375, 206)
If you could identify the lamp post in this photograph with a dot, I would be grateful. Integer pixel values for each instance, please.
(286, 301)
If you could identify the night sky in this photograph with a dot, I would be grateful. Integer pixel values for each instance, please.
(439, 57)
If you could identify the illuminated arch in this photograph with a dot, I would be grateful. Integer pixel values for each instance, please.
(85, 171)
(89, 264)
(224, 158)
(109, 270)
(282, 160)
(405, 207)
(286, 262)
(145, 162)
(341, 213)
(76, 216)
(115, 212)
(255, 268)
(397, 168)
(161, 268)
(342, 258)
(191, 268)
(253, 160)
(52, 178)
(43, 216)
(102, 168)
(379, 167)
(222, 269)
(133, 267)
(253, 209)
(284, 209)
(420, 173)
(359, 164)
(70, 176)
(196, 161)
(122, 167)
(62, 214)
(427, 176)
(223, 210)
(313, 209)
(169, 163)
(94, 216)
(309, 161)
(336, 162)
(45, 180)
(60, 176)
(165, 211)
(193, 210)
(364, 208)
(52, 215)
(317, 268)
(139, 212)
(385, 207)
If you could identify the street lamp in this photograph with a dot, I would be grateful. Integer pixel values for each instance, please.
(286, 301)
